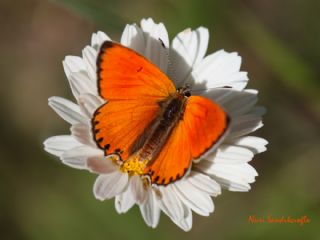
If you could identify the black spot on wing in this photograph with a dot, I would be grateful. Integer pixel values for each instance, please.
(156, 179)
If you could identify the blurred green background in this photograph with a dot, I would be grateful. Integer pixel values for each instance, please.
(279, 42)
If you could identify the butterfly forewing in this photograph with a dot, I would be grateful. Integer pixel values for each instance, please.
(132, 87)
(124, 74)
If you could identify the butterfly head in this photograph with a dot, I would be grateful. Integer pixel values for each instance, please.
(184, 91)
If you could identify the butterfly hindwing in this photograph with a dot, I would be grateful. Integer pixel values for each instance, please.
(117, 124)
(201, 127)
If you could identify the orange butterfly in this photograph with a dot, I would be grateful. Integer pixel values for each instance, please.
(147, 120)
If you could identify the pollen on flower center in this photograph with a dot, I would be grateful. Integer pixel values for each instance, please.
(133, 166)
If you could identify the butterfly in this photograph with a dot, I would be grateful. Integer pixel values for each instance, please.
(147, 119)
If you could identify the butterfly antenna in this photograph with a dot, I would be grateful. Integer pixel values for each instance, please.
(170, 68)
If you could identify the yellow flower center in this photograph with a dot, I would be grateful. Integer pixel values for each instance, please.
(133, 166)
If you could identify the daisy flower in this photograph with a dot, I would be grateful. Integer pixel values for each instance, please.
(216, 76)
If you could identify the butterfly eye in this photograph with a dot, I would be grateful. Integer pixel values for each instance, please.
(187, 94)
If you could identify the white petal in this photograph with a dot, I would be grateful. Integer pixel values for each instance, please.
(242, 171)
(243, 125)
(219, 69)
(185, 223)
(82, 132)
(150, 210)
(57, 145)
(188, 49)
(237, 103)
(234, 102)
(81, 84)
(89, 103)
(108, 186)
(77, 157)
(230, 168)
(124, 201)
(235, 186)
(66, 109)
(170, 203)
(219, 95)
(73, 64)
(89, 55)
(101, 164)
(255, 144)
(133, 38)
(137, 189)
(204, 183)
(198, 201)
(75, 68)
(98, 38)
(156, 35)
(230, 154)
(235, 177)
